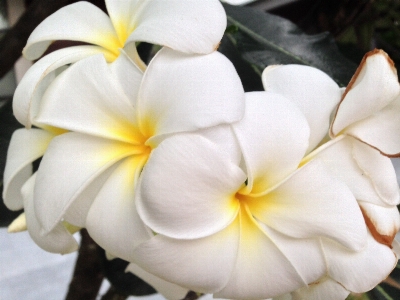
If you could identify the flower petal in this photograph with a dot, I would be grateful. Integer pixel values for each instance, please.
(262, 270)
(165, 288)
(112, 221)
(338, 156)
(96, 105)
(383, 222)
(30, 90)
(273, 136)
(313, 92)
(127, 75)
(193, 92)
(198, 29)
(325, 288)
(71, 163)
(379, 169)
(122, 15)
(346, 266)
(312, 191)
(26, 146)
(203, 265)
(373, 86)
(381, 130)
(187, 188)
(80, 21)
(58, 240)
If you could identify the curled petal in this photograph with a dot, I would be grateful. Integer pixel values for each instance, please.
(165, 288)
(198, 29)
(58, 240)
(312, 191)
(193, 92)
(96, 105)
(30, 90)
(187, 188)
(346, 266)
(313, 92)
(26, 146)
(80, 21)
(202, 265)
(383, 222)
(379, 169)
(60, 182)
(339, 156)
(273, 136)
(380, 130)
(373, 86)
(112, 220)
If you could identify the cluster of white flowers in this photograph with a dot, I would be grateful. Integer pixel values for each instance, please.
(287, 194)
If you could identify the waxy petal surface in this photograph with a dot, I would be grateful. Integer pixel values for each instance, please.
(81, 21)
(58, 240)
(338, 156)
(373, 86)
(202, 265)
(87, 98)
(165, 288)
(113, 221)
(346, 266)
(59, 183)
(313, 92)
(188, 188)
(312, 191)
(273, 136)
(379, 169)
(26, 146)
(325, 288)
(255, 275)
(193, 92)
(198, 29)
(30, 90)
(381, 130)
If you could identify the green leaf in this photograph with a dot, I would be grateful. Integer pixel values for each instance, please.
(264, 39)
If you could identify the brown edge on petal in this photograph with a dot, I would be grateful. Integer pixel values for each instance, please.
(396, 155)
(217, 46)
(354, 78)
(380, 238)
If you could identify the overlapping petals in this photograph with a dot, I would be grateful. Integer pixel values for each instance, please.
(20, 157)
(371, 97)
(116, 118)
(233, 237)
(199, 29)
(313, 91)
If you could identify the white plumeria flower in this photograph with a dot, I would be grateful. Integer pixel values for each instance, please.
(216, 234)
(190, 26)
(353, 155)
(116, 117)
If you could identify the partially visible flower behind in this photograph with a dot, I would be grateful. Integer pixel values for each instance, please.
(116, 116)
(364, 132)
(194, 26)
(245, 229)
(26, 146)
